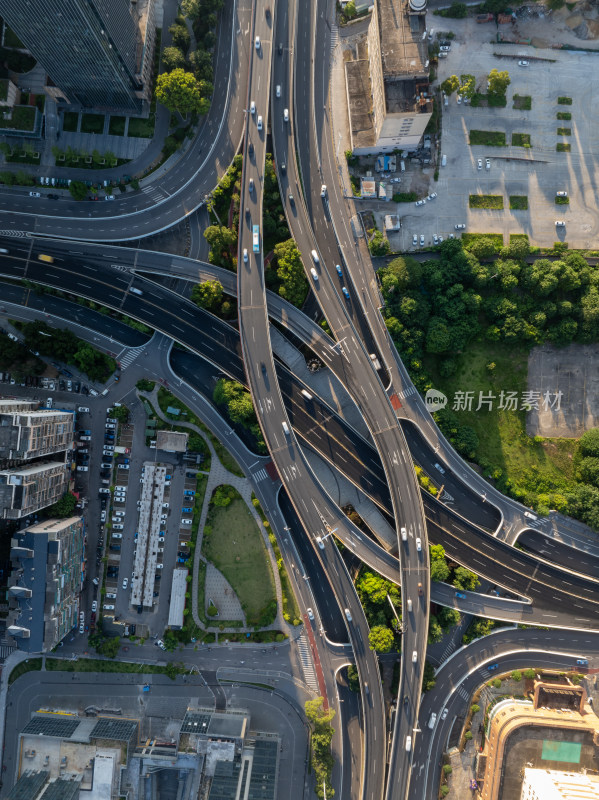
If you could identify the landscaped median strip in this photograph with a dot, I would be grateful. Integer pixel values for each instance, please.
(488, 138)
(493, 202)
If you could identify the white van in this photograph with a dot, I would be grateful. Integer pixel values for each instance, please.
(432, 720)
(409, 603)
(306, 394)
(408, 738)
(285, 429)
(404, 535)
(443, 160)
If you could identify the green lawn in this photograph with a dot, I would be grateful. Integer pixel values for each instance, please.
(521, 139)
(496, 238)
(70, 121)
(116, 126)
(25, 666)
(235, 546)
(564, 115)
(564, 131)
(101, 665)
(519, 202)
(523, 102)
(142, 128)
(92, 123)
(488, 138)
(493, 202)
(564, 101)
(504, 446)
(22, 119)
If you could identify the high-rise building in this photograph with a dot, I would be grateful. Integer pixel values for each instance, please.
(97, 53)
(548, 784)
(28, 432)
(48, 569)
(24, 490)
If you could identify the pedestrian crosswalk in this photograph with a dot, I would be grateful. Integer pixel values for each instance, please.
(406, 393)
(305, 655)
(129, 357)
(261, 475)
(448, 651)
(154, 192)
(334, 36)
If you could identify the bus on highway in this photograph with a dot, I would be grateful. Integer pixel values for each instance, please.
(256, 238)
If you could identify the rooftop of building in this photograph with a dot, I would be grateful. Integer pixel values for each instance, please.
(177, 601)
(172, 441)
(232, 723)
(29, 785)
(360, 100)
(50, 526)
(29, 471)
(403, 50)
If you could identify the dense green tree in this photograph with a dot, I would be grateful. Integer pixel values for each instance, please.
(589, 309)
(439, 568)
(221, 240)
(78, 190)
(448, 617)
(428, 677)
(435, 631)
(208, 295)
(465, 579)
(381, 639)
(483, 248)
(179, 91)
(180, 34)
(589, 443)
(201, 64)
(353, 679)
(64, 507)
(378, 244)
(438, 339)
(583, 503)
(290, 270)
(173, 58)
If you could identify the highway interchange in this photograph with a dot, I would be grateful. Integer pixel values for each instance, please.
(480, 536)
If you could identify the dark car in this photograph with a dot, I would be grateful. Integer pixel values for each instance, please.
(280, 48)
(251, 149)
(77, 386)
(52, 197)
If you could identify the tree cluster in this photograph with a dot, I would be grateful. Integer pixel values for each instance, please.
(210, 294)
(63, 345)
(320, 741)
(16, 359)
(290, 271)
(240, 408)
(64, 507)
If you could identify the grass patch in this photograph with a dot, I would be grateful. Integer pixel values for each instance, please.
(92, 123)
(405, 197)
(488, 138)
(493, 202)
(521, 139)
(110, 665)
(234, 544)
(563, 147)
(564, 101)
(116, 126)
(496, 100)
(562, 201)
(523, 102)
(496, 238)
(564, 131)
(519, 202)
(291, 610)
(141, 128)
(565, 115)
(31, 665)
(70, 121)
(22, 119)
(505, 450)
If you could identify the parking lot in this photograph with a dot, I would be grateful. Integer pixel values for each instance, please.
(537, 172)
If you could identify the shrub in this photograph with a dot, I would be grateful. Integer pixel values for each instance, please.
(564, 115)
(564, 101)
(488, 201)
(564, 131)
(516, 675)
(468, 736)
(562, 201)
(488, 138)
(519, 202)
(447, 769)
(522, 102)
(563, 147)
(405, 197)
(520, 139)
(497, 683)
(529, 674)
(475, 708)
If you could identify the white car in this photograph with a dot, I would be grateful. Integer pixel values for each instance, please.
(82, 469)
(161, 644)
(186, 522)
(459, 99)
(94, 605)
(259, 123)
(488, 163)
(523, 63)
(252, 107)
(81, 617)
(432, 196)
(445, 48)
(124, 466)
(286, 115)
(415, 240)
(103, 516)
(34, 194)
(557, 194)
(460, 227)
(420, 202)
(278, 91)
(480, 163)
(421, 240)
(348, 615)
(125, 583)
(559, 223)
(444, 713)
(323, 190)
(109, 447)
(109, 197)
(310, 613)
(314, 273)
(418, 544)
(257, 42)
(319, 542)
(245, 255)
(84, 410)
(435, 239)
(82, 628)
(414, 657)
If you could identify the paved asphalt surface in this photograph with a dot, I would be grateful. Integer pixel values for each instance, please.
(213, 338)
